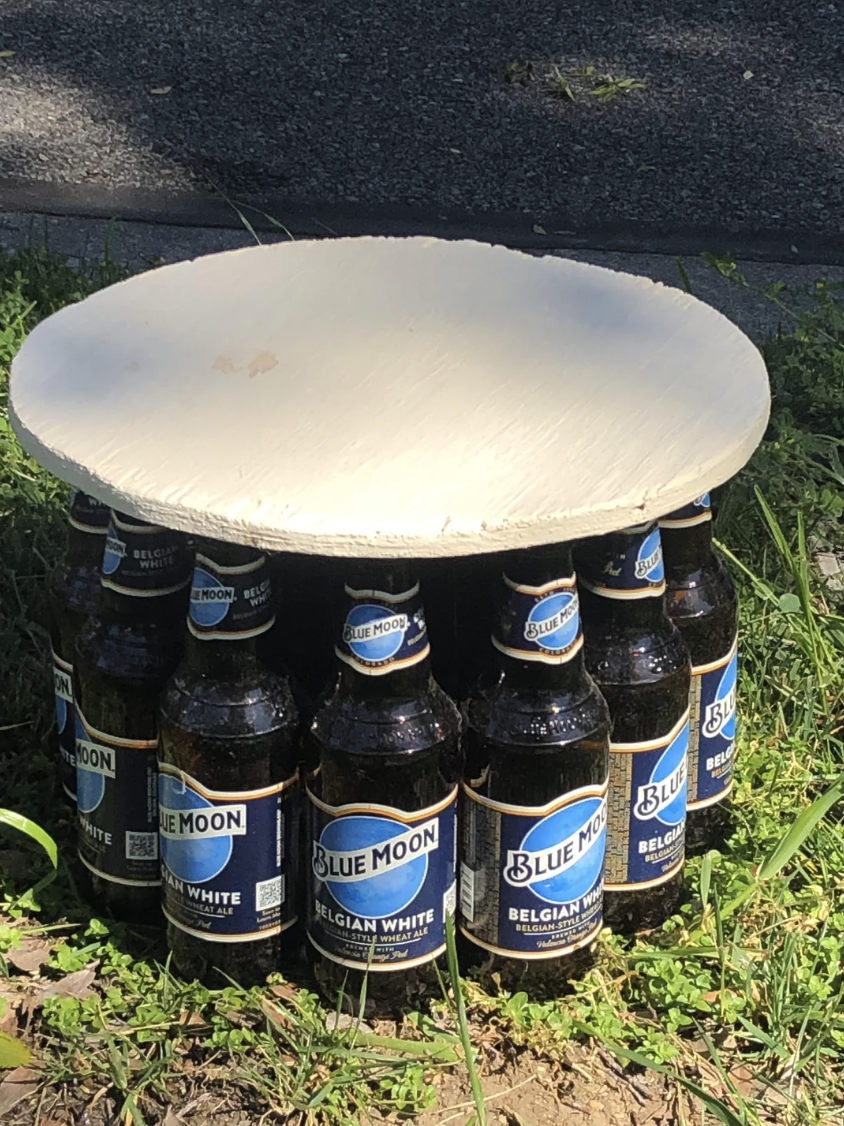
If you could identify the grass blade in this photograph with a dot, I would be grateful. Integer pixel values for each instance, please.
(24, 825)
(799, 832)
(462, 1024)
(716, 1107)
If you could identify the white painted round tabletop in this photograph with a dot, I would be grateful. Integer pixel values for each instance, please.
(390, 397)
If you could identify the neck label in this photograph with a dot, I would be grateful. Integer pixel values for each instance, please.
(230, 603)
(383, 882)
(227, 858)
(383, 633)
(531, 879)
(540, 623)
(87, 514)
(647, 810)
(713, 730)
(144, 561)
(698, 512)
(625, 565)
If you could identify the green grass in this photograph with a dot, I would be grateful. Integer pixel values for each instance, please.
(739, 997)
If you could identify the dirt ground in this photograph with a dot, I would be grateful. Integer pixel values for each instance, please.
(586, 1089)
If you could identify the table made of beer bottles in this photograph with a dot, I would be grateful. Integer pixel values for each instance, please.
(390, 397)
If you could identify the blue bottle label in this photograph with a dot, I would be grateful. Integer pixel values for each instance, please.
(531, 878)
(713, 730)
(540, 623)
(116, 795)
(625, 564)
(646, 833)
(65, 724)
(382, 882)
(227, 857)
(88, 514)
(697, 512)
(144, 561)
(230, 603)
(383, 632)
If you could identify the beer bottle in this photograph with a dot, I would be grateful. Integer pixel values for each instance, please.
(640, 663)
(124, 655)
(381, 870)
(228, 779)
(534, 805)
(73, 590)
(701, 601)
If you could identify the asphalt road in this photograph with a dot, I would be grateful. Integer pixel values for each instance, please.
(740, 124)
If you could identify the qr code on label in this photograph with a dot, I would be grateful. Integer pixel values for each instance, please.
(269, 894)
(142, 846)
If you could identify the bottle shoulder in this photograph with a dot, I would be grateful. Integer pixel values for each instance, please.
(258, 702)
(129, 649)
(539, 716)
(394, 725)
(632, 655)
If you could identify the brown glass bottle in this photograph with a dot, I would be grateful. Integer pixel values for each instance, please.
(228, 781)
(701, 601)
(533, 832)
(381, 864)
(641, 665)
(124, 655)
(73, 591)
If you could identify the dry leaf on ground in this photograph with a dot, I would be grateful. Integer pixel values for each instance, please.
(31, 955)
(74, 985)
(18, 1084)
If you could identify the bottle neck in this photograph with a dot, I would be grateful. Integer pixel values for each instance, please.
(687, 550)
(231, 607)
(622, 580)
(537, 634)
(84, 549)
(382, 645)
(87, 522)
(145, 572)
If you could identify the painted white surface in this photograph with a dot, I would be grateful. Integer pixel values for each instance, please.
(390, 397)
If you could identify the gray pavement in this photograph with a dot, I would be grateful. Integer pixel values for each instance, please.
(141, 245)
(740, 126)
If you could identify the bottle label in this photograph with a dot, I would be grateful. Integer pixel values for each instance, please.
(383, 882)
(230, 603)
(531, 878)
(713, 730)
(227, 857)
(698, 512)
(65, 724)
(540, 623)
(383, 632)
(143, 560)
(116, 794)
(88, 514)
(632, 569)
(646, 833)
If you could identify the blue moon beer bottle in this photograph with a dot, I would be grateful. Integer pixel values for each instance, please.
(73, 590)
(124, 655)
(640, 663)
(228, 783)
(382, 859)
(534, 804)
(701, 601)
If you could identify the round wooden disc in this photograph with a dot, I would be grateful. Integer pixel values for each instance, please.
(390, 397)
